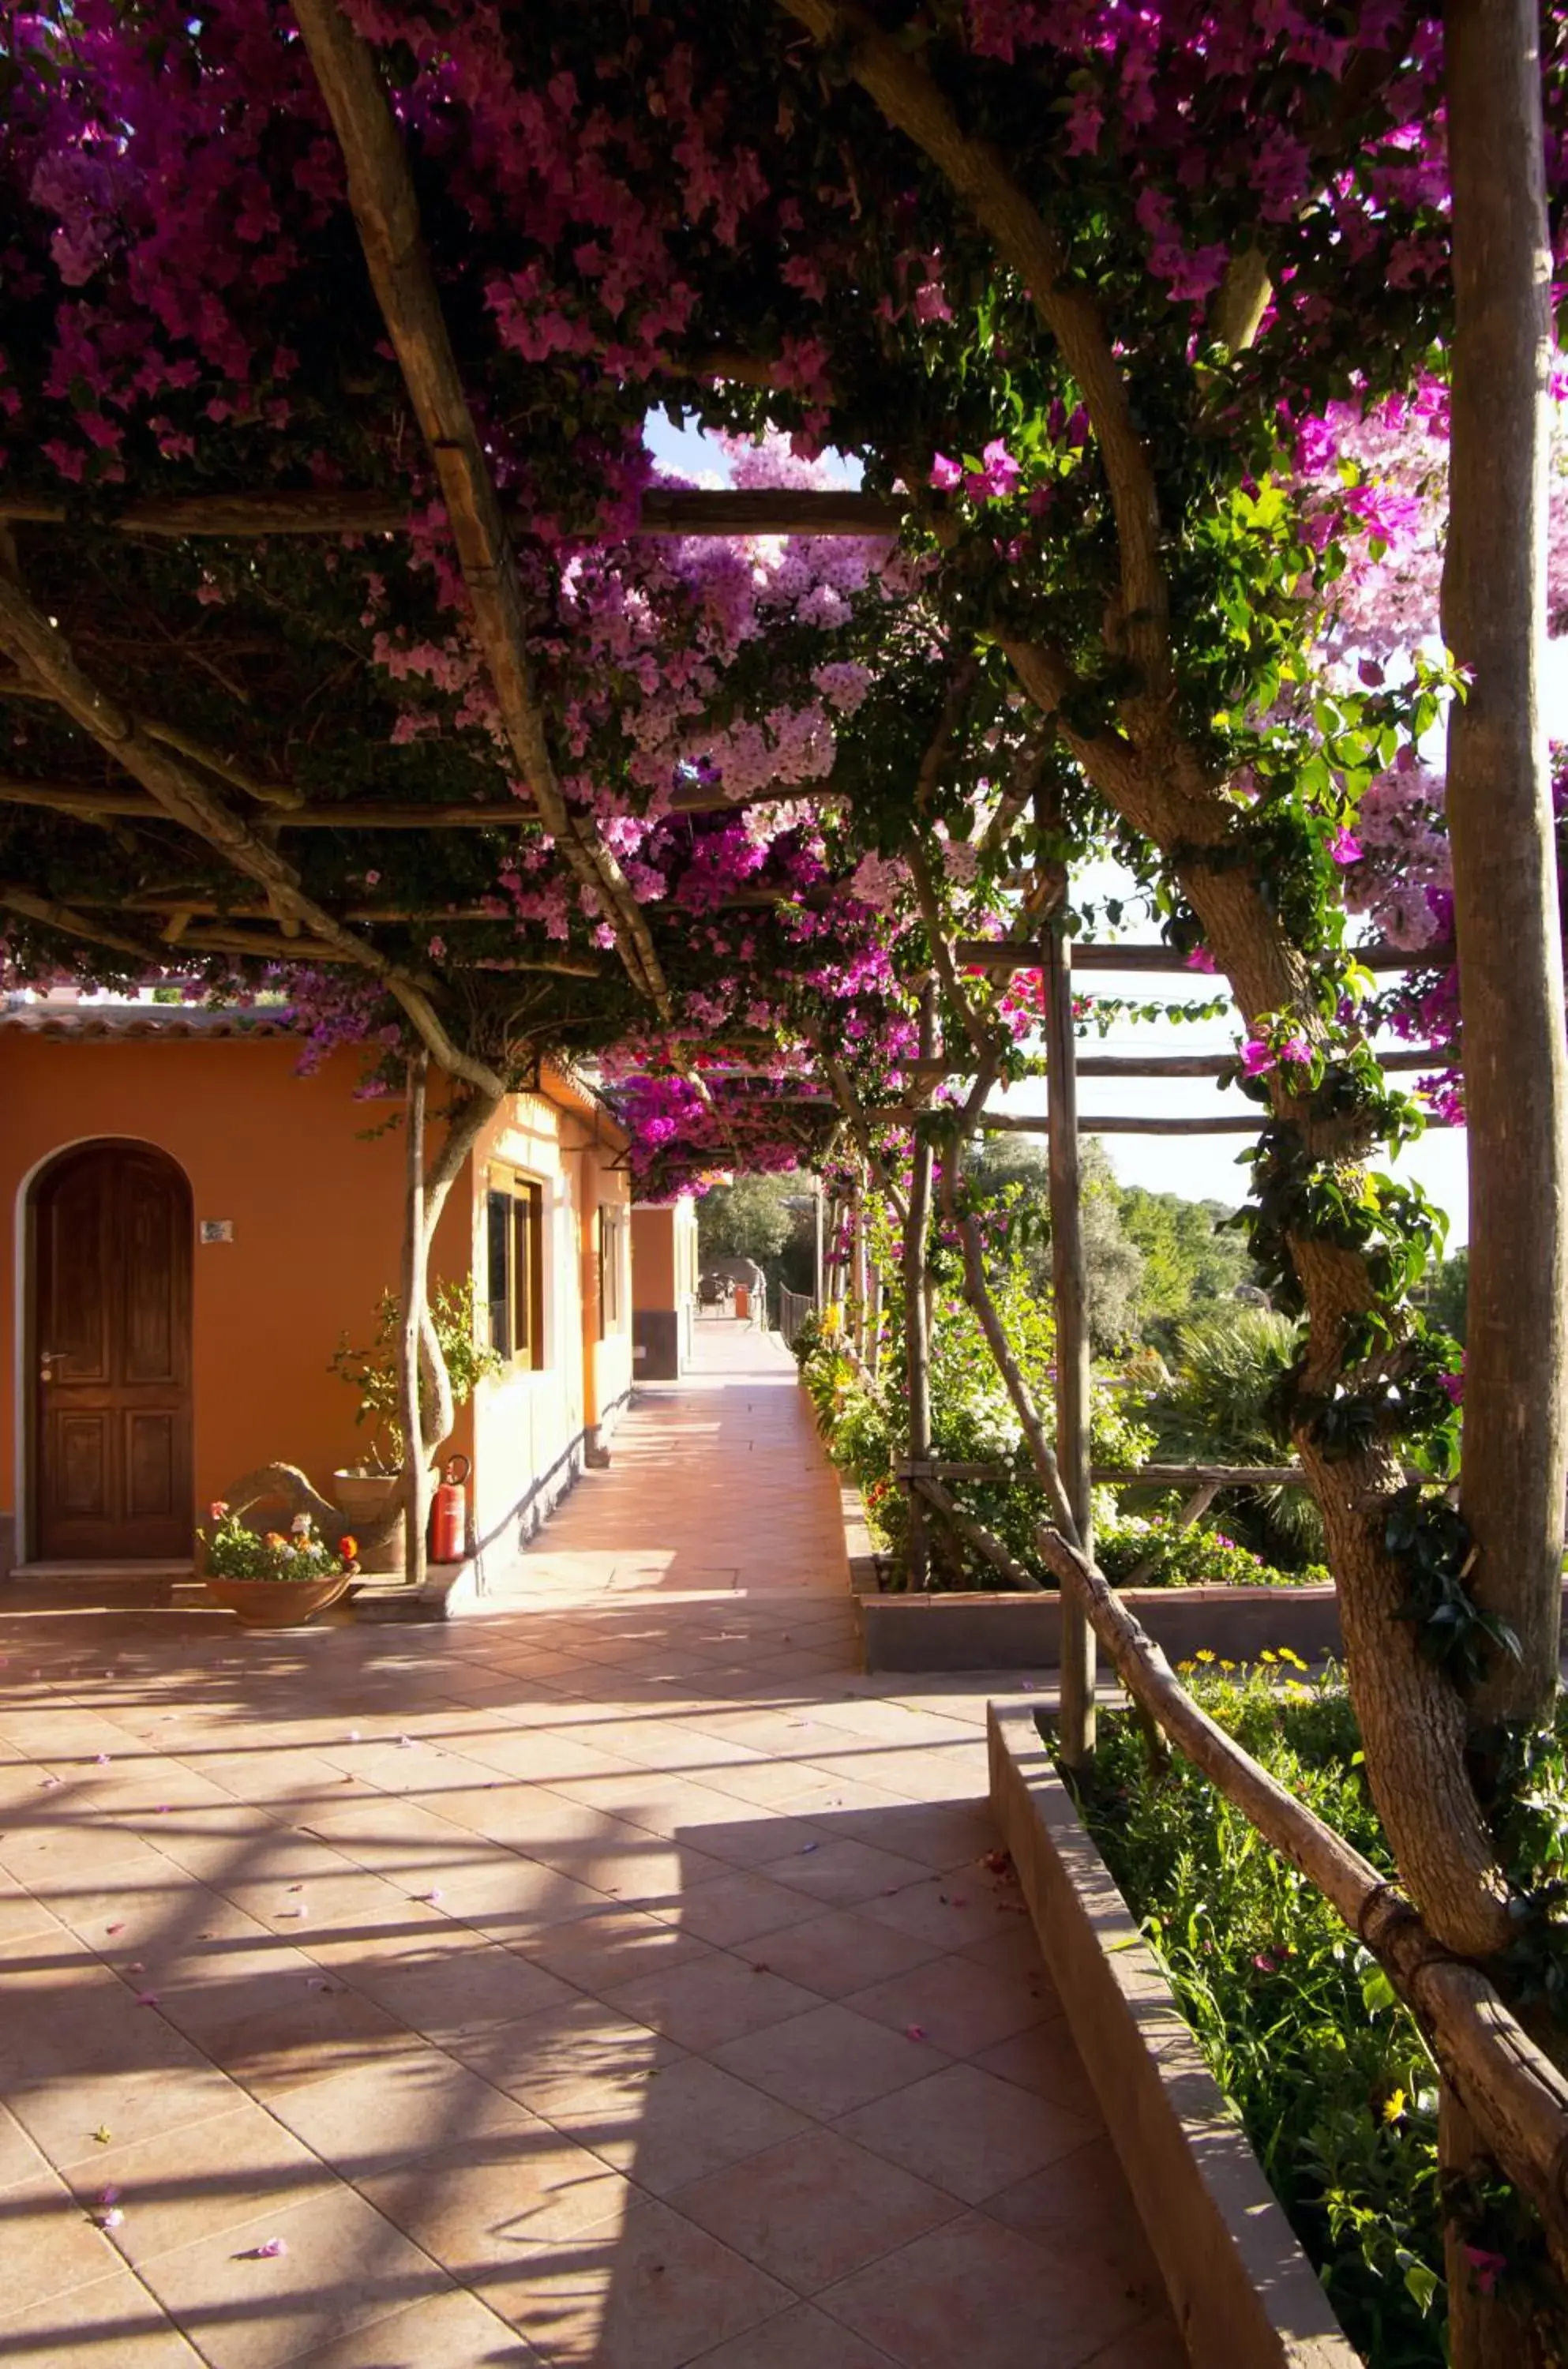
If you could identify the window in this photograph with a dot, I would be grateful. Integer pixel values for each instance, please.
(611, 1268)
(514, 1271)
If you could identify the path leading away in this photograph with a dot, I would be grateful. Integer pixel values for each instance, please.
(614, 1979)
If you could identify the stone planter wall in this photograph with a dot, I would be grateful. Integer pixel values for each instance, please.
(1023, 1632)
(1245, 2294)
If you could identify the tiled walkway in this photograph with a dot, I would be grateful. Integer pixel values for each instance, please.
(615, 1979)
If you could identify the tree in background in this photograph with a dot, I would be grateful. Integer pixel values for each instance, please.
(1114, 1263)
(1222, 1402)
(1155, 1260)
(752, 1218)
(1445, 1296)
(1192, 1258)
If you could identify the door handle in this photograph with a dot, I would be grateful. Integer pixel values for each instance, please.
(48, 1357)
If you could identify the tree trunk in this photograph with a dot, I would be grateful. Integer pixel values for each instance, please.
(1412, 1721)
(415, 1264)
(916, 1330)
(1499, 825)
(1485, 2330)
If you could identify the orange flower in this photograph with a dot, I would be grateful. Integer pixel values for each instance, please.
(275, 1539)
(347, 1549)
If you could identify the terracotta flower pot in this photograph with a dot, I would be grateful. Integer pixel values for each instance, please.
(362, 1499)
(278, 1603)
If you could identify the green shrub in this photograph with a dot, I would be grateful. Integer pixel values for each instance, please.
(1202, 1554)
(1326, 2067)
(1219, 1404)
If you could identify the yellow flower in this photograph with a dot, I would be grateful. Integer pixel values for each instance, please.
(1393, 2106)
(1183, 1668)
(1294, 1659)
(1227, 1666)
(1205, 1656)
(1267, 1657)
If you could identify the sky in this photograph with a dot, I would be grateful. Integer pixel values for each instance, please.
(1198, 1167)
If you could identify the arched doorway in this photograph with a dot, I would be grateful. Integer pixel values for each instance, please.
(110, 1292)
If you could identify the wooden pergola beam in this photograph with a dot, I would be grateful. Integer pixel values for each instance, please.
(38, 648)
(1185, 1065)
(1003, 954)
(15, 898)
(674, 511)
(69, 797)
(386, 210)
(1093, 1123)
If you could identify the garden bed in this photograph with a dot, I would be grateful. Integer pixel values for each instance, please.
(972, 1631)
(1242, 2291)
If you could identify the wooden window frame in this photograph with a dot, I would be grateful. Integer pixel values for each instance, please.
(514, 1270)
(612, 1268)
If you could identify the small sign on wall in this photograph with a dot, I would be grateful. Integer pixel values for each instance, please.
(215, 1230)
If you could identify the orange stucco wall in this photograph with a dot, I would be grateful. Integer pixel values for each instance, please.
(653, 1258)
(664, 1252)
(316, 1212)
(524, 1422)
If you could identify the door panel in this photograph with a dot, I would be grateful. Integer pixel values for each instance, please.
(82, 1463)
(144, 1277)
(111, 1332)
(149, 1464)
(79, 1293)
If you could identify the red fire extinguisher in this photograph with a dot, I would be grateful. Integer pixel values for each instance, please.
(449, 1512)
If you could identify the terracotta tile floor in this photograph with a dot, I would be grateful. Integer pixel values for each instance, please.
(613, 1978)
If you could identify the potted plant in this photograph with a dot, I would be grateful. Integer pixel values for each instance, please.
(364, 1492)
(271, 1580)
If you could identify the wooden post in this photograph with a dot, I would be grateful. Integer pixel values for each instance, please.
(415, 1261)
(917, 1339)
(857, 1272)
(1070, 1293)
(1501, 830)
(873, 1323)
(817, 1270)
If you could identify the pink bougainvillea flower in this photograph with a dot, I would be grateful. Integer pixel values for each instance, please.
(1201, 959)
(268, 2250)
(1265, 1964)
(112, 2219)
(1296, 1049)
(1345, 848)
(914, 2032)
(1453, 1388)
(109, 2193)
(146, 1998)
(1002, 470)
(1485, 2266)
(1256, 1058)
(946, 474)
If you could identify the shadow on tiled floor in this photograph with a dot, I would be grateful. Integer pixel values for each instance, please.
(617, 1980)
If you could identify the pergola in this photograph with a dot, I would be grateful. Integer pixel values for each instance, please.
(138, 770)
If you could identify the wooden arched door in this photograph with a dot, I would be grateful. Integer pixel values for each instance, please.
(111, 1237)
